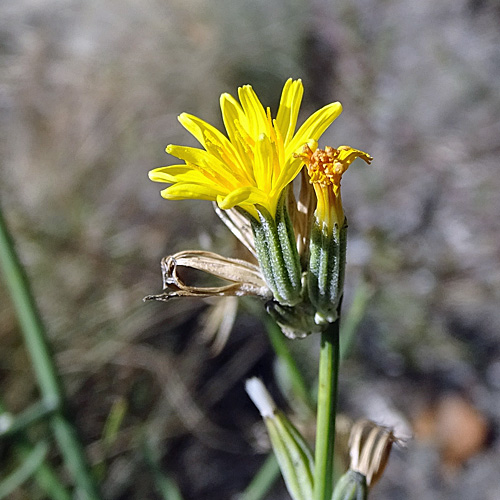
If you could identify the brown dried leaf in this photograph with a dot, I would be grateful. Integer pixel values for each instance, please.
(245, 278)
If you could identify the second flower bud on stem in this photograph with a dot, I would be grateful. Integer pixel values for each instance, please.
(325, 279)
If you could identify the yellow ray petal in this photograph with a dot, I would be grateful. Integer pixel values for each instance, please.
(186, 191)
(226, 172)
(206, 134)
(236, 124)
(288, 110)
(176, 173)
(232, 112)
(249, 195)
(263, 164)
(254, 111)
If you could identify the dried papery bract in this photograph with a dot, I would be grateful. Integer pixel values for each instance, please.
(370, 446)
(301, 210)
(245, 278)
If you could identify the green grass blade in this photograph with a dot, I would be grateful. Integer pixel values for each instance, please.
(31, 324)
(297, 381)
(165, 485)
(44, 367)
(353, 317)
(29, 466)
(263, 481)
(44, 475)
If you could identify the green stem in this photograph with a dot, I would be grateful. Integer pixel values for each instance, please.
(44, 475)
(263, 481)
(29, 318)
(38, 411)
(299, 386)
(327, 409)
(44, 367)
(353, 317)
(30, 465)
(165, 485)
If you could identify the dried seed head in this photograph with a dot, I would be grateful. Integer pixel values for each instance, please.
(370, 446)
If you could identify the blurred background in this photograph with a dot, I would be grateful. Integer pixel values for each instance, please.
(89, 97)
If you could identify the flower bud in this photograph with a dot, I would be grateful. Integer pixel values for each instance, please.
(292, 452)
(329, 229)
(351, 486)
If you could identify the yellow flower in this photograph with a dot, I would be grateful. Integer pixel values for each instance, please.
(325, 168)
(254, 162)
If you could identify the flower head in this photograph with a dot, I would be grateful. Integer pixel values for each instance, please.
(325, 168)
(255, 161)
(328, 233)
(299, 243)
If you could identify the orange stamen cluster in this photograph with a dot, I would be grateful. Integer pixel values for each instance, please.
(323, 166)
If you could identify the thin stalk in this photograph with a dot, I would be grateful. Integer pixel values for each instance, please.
(299, 385)
(74, 456)
(29, 318)
(165, 485)
(38, 411)
(327, 409)
(44, 475)
(29, 466)
(263, 481)
(44, 367)
(353, 317)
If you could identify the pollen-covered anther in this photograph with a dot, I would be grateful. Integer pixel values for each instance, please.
(326, 166)
(323, 165)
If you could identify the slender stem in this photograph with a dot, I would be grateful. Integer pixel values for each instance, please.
(327, 409)
(263, 481)
(351, 320)
(30, 465)
(44, 367)
(36, 412)
(74, 456)
(29, 318)
(299, 385)
(44, 475)
(165, 485)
